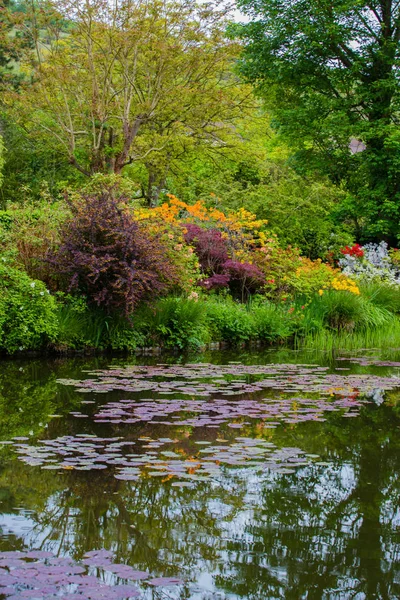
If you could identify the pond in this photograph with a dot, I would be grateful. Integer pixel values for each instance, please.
(245, 475)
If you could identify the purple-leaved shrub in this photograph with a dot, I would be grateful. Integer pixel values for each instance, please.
(209, 246)
(109, 257)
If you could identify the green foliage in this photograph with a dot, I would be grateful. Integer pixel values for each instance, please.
(273, 323)
(330, 341)
(29, 231)
(383, 296)
(79, 328)
(341, 310)
(2, 159)
(229, 321)
(301, 210)
(259, 320)
(173, 322)
(28, 318)
(83, 329)
(328, 73)
(32, 166)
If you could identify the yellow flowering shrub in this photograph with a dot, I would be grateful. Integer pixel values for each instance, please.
(315, 276)
(310, 276)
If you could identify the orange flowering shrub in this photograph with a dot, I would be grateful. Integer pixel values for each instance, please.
(247, 242)
(161, 226)
(240, 228)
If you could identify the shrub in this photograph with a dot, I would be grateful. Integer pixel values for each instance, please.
(174, 322)
(309, 277)
(372, 262)
(229, 321)
(107, 256)
(27, 312)
(273, 322)
(29, 232)
(244, 278)
(215, 282)
(210, 247)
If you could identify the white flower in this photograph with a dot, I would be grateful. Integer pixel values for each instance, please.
(42, 293)
(33, 284)
(376, 265)
(193, 296)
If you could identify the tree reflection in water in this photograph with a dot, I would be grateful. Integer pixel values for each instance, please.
(328, 531)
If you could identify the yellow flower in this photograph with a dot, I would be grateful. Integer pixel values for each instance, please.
(320, 292)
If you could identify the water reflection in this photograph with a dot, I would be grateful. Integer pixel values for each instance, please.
(330, 530)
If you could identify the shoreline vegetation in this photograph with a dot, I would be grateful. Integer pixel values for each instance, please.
(109, 275)
(166, 183)
(118, 277)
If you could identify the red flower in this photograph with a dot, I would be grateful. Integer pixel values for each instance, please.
(355, 250)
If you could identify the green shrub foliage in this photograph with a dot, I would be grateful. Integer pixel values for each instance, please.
(28, 318)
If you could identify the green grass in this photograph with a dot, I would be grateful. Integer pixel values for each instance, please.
(384, 296)
(327, 340)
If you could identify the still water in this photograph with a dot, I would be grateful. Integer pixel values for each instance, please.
(222, 476)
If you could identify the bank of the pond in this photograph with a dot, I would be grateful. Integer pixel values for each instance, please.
(333, 321)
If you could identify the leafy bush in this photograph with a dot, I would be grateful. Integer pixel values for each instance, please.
(30, 231)
(372, 262)
(215, 282)
(28, 317)
(174, 322)
(273, 323)
(229, 321)
(310, 276)
(107, 256)
(210, 247)
(245, 278)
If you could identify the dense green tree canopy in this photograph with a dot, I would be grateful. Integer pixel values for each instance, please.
(110, 85)
(329, 72)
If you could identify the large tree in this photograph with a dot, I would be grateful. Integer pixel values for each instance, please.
(329, 71)
(133, 81)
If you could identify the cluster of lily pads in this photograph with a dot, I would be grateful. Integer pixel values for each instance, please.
(38, 574)
(216, 412)
(87, 453)
(197, 399)
(206, 380)
(367, 361)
